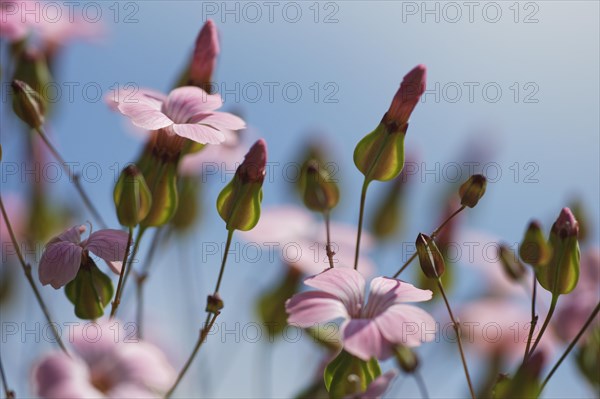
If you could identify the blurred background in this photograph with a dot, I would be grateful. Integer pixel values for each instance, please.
(512, 90)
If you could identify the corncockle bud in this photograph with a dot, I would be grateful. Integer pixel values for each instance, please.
(582, 218)
(560, 274)
(380, 154)
(510, 263)
(472, 190)
(132, 197)
(28, 104)
(238, 203)
(526, 381)
(161, 178)
(431, 260)
(32, 68)
(90, 291)
(406, 358)
(321, 194)
(188, 209)
(205, 56)
(534, 248)
(214, 303)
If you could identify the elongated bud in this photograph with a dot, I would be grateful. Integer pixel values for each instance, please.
(406, 358)
(239, 202)
(561, 273)
(189, 208)
(205, 56)
(28, 104)
(534, 248)
(162, 179)
(321, 193)
(431, 260)
(511, 264)
(380, 154)
(132, 197)
(472, 190)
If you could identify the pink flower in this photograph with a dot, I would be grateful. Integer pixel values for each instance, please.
(369, 329)
(187, 112)
(205, 54)
(64, 254)
(300, 238)
(215, 158)
(11, 27)
(105, 365)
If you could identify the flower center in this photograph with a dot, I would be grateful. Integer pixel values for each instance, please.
(101, 381)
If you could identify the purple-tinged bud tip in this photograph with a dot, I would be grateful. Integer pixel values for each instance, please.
(205, 54)
(408, 95)
(566, 225)
(253, 168)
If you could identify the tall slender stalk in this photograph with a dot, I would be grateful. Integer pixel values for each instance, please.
(458, 338)
(534, 318)
(117, 300)
(328, 249)
(363, 197)
(544, 326)
(74, 177)
(28, 274)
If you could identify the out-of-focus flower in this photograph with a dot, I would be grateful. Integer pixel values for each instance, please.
(11, 27)
(370, 329)
(378, 387)
(187, 112)
(65, 253)
(300, 238)
(213, 159)
(103, 367)
(15, 208)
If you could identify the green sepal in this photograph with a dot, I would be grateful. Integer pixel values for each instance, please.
(238, 204)
(561, 273)
(380, 154)
(162, 181)
(90, 291)
(343, 366)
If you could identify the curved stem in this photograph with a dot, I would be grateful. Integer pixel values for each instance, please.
(571, 345)
(544, 326)
(73, 177)
(7, 391)
(117, 300)
(27, 270)
(328, 249)
(432, 235)
(534, 318)
(222, 271)
(363, 197)
(458, 338)
(126, 269)
(136, 247)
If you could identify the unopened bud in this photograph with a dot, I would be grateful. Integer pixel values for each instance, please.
(511, 264)
(189, 207)
(472, 190)
(132, 197)
(534, 248)
(90, 291)
(239, 202)
(407, 97)
(205, 56)
(321, 194)
(214, 303)
(431, 260)
(161, 178)
(28, 104)
(407, 359)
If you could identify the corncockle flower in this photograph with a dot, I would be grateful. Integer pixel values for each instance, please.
(65, 253)
(214, 159)
(205, 55)
(300, 238)
(104, 366)
(186, 113)
(369, 329)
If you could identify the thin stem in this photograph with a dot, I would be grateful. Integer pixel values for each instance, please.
(221, 272)
(136, 247)
(544, 326)
(432, 235)
(7, 391)
(203, 335)
(27, 270)
(328, 249)
(73, 177)
(117, 300)
(421, 384)
(363, 197)
(571, 345)
(534, 318)
(458, 338)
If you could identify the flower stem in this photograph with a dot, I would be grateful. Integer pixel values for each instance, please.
(534, 318)
(27, 270)
(126, 269)
(571, 345)
(456, 326)
(328, 249)
(117, 300)
(7, 391)
(421, 384)
(210, 321)
(432, 235)
(363, 197)
(544, 326)
(74, 177)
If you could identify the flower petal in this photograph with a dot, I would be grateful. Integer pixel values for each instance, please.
(346, 284)
(145, 112)
(407, 325)
(59, 376)
(185, 102)
(59, 263)
(108, 244)
(71, 235)
(363, 339)
(220, 120)
(379, 385)
(199, 133)
(309, 308)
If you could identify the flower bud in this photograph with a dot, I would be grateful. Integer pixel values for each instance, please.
(321, 194)
(205, 56)
(214, 303)
(583, 219)
(511, 264)
(526, 381)
(431, 260)
(189, 209)
(28, 104)
(407, 97)
(132, 197)
(472, 190)
(560, 274)
(407, 359)
(238, 203)
(534, 248)
(161, 178)
(90, 291)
